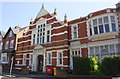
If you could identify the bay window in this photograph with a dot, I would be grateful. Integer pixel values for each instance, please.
(102, 25)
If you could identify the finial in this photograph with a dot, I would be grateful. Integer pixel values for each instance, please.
(55, 11)
(31, 19)
(43, 5)
(65, 18)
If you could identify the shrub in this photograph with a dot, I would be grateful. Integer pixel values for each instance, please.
(110, 65)
(82, 66)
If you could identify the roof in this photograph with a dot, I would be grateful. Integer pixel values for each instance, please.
(42, 12)
(15, 31)
(2, 33)
(119, 2)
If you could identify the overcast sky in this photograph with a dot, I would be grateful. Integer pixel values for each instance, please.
(19, 13)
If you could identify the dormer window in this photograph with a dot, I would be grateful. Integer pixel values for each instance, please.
(10, 34)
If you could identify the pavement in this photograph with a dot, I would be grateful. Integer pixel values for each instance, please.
(6, 75)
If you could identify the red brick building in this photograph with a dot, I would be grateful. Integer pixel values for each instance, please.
(51, 42)
(9, 46)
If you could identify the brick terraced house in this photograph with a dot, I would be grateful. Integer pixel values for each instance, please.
(1, 42)
(51, 42)
(9, 46)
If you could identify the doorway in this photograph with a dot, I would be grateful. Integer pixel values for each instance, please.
(40, 63)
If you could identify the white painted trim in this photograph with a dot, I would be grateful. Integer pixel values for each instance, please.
(59, 33)
(78, 38)
(19, 58)
(77, 22)
(58, 27)
(23, 41)
(25, 35)
(75, 25)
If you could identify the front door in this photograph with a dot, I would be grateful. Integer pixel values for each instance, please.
(40, 63)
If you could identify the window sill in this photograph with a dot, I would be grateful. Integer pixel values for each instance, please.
(103, 36)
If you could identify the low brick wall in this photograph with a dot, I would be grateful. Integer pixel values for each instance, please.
(64, 74)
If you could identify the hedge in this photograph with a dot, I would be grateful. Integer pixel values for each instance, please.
(82, 66)
(110, 65)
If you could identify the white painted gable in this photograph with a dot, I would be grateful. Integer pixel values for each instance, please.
(42, 12)
(41, 20)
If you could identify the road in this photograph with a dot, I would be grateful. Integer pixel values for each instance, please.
(30, 76)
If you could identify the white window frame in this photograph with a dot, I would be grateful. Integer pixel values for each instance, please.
(10, 34)
(31, 59)
(6, 45)
(49, 58)
(58, 59)
(109, 23)
(11, 43)
(103, 48)
(24, 59)
(74, 31)
(6, 57)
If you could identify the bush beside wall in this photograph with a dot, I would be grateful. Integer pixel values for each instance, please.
(110, 65)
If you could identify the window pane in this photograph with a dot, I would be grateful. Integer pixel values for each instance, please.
(40, 40)
(34, 36)
(48, 32)
(37, 35)
(37, 40)
(96, 49)
(107, 28)
(75, 52)
(112, 18)
(95, 30)
(75, 34)
(43, 29)
(90, 31)
(43, 33)
(60, 55)
(105, 19)
(33, 41)
(38, 30)
(48, 38)
(91, 50)
(40, 34)
(112, 49)
(113, 27)
(41, 26)
(38, 26)
(95, 22)
(74, 28)
(43, 40)
(60, 60)
(72, 52)
(100, 20)
(101, 29)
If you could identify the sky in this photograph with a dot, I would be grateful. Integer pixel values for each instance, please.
(18, 13)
